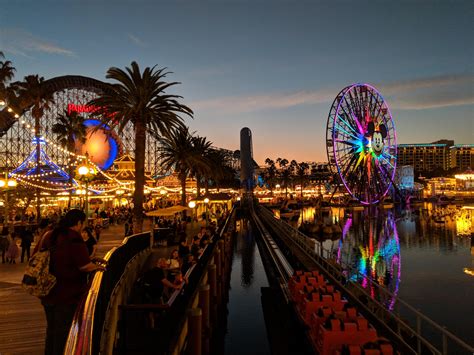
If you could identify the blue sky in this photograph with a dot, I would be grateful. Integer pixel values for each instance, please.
(273, 66)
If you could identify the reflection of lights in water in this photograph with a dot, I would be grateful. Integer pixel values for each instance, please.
(463, 226)
(377, 258)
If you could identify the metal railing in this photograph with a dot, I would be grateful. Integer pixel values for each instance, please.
(408, 320)
(172, 313)
(86, 329)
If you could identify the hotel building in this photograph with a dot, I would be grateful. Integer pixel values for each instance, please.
(442, 154)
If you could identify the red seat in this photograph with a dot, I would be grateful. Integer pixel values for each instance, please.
(309, 307)
(330, 340)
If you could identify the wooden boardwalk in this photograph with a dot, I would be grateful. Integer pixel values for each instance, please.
(22, 319)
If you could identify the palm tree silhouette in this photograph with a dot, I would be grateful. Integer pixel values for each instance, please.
(70, 129)
(140, 98)
(178, 153)
(33, 93)
(7, 71)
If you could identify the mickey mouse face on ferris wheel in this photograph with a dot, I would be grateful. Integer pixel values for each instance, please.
(377, 135)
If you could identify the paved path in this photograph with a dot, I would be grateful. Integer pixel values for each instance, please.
(22, 320)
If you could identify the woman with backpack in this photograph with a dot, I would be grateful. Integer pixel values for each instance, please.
(69, 263)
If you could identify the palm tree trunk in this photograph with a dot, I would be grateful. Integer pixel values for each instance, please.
(183, 189)
(70, 171)
(140, 144)
(198, 185)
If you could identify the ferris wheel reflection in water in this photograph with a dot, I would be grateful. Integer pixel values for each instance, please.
(369, 250)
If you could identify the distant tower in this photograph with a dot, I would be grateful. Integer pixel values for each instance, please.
(247, 180)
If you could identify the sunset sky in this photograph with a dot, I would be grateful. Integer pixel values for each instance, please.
(273, 66)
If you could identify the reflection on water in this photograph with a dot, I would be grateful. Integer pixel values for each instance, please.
(432, 241)
(246, 248)
(371, 249)
(246, 331)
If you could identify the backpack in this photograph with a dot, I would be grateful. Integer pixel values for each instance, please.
(37, 280)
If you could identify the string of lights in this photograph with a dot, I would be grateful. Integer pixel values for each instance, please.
(32, 179)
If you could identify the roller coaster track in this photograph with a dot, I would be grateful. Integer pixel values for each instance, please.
(407, 338)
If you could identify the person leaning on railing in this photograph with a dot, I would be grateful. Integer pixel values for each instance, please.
(69, 263)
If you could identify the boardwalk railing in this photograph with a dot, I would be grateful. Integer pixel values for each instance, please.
(166, 335)
(86, 330)
(429, 336)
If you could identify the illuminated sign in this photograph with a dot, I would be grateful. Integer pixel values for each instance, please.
(80, 108)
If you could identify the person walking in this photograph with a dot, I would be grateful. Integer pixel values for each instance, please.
(4, 243)
(13, 251)
(97, 230)
(70, 263)
(26, 240)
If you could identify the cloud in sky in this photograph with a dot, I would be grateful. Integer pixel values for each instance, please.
(21, 42)
(137, 40)
(417, 94)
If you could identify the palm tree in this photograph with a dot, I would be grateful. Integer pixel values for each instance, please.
(70, 129)
(178, 154)
(7, 71)
(218, 167)
(140, 98)
(301, 171)
(33, 93)
(201, 147)
(270, 174)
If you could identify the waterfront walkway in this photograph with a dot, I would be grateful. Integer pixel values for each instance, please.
(22, 320)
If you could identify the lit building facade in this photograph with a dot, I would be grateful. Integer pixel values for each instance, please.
(462, 157)
(424, 157)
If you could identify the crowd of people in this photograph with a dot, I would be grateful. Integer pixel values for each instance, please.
(73, 244)
(170, 273)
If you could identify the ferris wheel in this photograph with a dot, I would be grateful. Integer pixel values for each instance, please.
(361, 142)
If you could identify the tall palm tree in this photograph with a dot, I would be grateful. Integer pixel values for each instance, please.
(7, 71)
(301, 172)
(217, 171)
(140, 98)
(201, 147)
(33, 93)
(178, 154)
(70, 129)
(270, 174)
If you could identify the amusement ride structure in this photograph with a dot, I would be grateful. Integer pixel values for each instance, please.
(33, 156)
(361, 143)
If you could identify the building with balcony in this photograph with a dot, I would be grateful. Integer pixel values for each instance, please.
(425, 157)
(462, 156)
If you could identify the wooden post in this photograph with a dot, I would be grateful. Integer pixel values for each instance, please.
(204, 293)
(212, 277)
(218, 262)
(194, 331)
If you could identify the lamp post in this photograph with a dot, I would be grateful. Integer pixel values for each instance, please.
(6, 185)
(192, 205)
(86, 173)
(206, 203)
